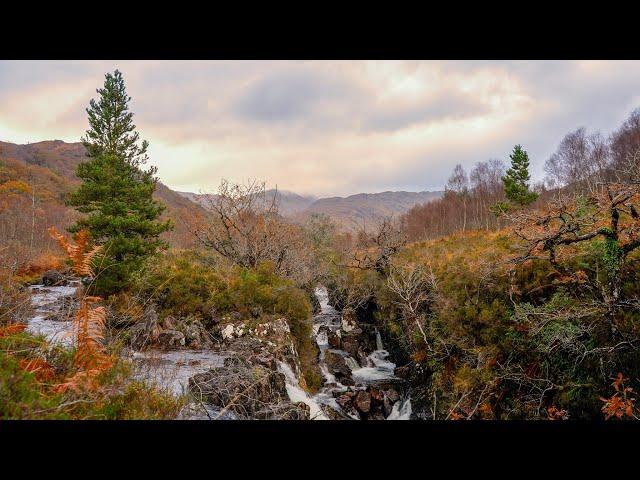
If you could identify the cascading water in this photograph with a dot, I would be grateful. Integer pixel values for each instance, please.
(378, 368)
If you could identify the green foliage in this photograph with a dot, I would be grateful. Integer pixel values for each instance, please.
(516, 187)
(23, 395)
(116, 194)
(112, 130)
(183, 284)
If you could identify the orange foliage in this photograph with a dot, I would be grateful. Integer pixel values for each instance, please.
(42, 370)
(90, 358)
(76, 253)
(12, 329)
(41, 264)
(621, 404)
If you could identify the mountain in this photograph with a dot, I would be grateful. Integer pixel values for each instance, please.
(289, 203)
(355, 210)
(348, 212)
(51, 165)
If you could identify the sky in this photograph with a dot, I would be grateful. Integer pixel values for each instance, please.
(326, 128)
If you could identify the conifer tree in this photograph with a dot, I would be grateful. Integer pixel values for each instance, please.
(516, 187)
(117, 193)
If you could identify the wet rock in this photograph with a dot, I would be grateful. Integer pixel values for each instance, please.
(53, 278)
(337, 365)
(376, 416)
(350, 321)
(392, 394)
(350, 344)
(345, 401)
(362, 401)
(248, 389)
(171, 339)
(334, 339)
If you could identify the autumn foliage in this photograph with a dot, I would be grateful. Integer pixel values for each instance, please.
(90, 359)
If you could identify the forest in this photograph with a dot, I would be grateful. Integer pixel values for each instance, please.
(501, 300)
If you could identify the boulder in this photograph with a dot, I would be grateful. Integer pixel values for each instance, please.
(362, 401)
(350, 344)
(336, 365)
(171, 339)
(350, 321)
(53, 278)
(195, 335)
(345, 402)
(333, 338)
(250, 390)
(392, 394)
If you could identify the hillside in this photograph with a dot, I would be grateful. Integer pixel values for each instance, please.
(348, 212)
(50, 166)
(289, 203)
(355, 210)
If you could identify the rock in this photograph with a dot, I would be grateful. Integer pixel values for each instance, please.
(195, 335)
(350, 344)
(376, 416)
(333, 338)
(348, 381)
(246, 387)
(345, 402)
(169, 323)
(53, 277)
(376, 394)
(171, 339)
(362, 401)
(227, 332)
(336, 365)
(392, 394)
(402, 372)
(147, 330)
(349, 321)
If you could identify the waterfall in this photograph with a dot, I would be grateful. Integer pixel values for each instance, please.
(297, 394)
(379, 345)
(401, 410)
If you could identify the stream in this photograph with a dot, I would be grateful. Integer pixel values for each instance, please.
(377, 370)
(171, 370)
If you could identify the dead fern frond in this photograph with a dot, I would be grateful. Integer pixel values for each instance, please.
(90, 358)
(41, 369)
(81, 261)
(12, 329)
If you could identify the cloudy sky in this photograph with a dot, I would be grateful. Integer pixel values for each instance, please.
(326, 127)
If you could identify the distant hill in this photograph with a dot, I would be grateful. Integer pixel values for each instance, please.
(348, 212)
(363, 208)
(289, 203)
(52, 165)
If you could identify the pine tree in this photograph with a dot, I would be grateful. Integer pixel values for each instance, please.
(116, 193)
(516, 187)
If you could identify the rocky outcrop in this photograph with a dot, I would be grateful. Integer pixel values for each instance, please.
(169, 333)
(370, 403)
(337, 365)
(249, 385)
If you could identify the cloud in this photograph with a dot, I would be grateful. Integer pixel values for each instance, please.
(326, 127)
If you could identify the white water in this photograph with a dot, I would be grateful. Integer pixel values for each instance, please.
(401, 410)
(171, 370)
(378, 368)
(45, 301)
(297, 394)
